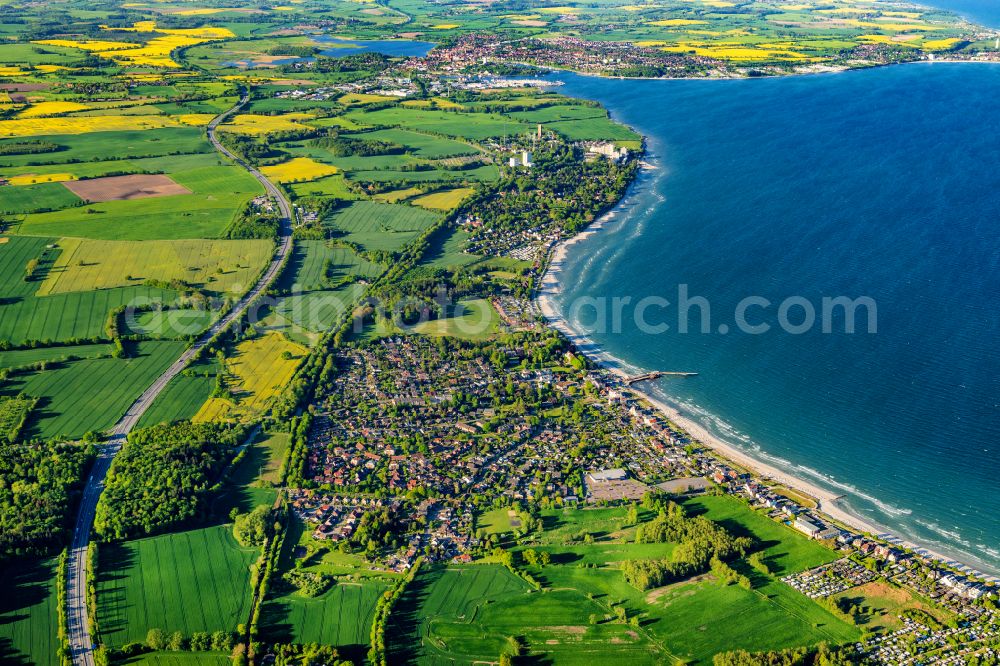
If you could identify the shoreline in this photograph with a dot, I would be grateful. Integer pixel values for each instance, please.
(549, 287)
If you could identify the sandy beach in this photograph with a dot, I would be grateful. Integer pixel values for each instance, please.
(826, 500)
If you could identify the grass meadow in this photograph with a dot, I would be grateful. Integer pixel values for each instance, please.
(471, 126)
(331, 186)
(218, 193)
(446, 250)
(98, 146)
(322, 286)
(471, 319)
(28, 613)
(24, 316)
(462, 614)
(687, 620)
(184, 395)
(21, 199)
(420, 145)
(785, 550)
(91, 394)
(342, 616)
(219, 266)
(315, 266)
(191, 581)
(443, 199)
(19, 358)
(377, 226)
(251, 483)
(593, 129)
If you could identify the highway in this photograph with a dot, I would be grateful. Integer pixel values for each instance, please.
(78, 626)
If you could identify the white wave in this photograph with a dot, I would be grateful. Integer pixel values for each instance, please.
(952, 534)
(732, 435)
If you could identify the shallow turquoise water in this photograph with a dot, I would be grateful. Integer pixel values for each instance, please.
(882, 183)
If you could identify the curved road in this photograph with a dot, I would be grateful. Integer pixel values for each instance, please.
(78, 626)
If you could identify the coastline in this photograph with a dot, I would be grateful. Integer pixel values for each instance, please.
(827, 501)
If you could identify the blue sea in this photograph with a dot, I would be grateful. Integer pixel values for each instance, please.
(983, 12)
(882, 184)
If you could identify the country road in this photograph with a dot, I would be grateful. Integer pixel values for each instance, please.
(78, 626)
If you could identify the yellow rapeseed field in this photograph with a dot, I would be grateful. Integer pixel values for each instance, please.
(443, 200)
(80, 125)
(93, 45)
(670, 22)
(354, 99)
(257, 373)
(940, 44)
(724, 51)
(438, 102)
(220, 265)
(34, 179)
(256, 124)
(298, 170)
(886, 39)
(42, 109)
(203, 11)
(395, 196)
(154, 53)
(194, 119)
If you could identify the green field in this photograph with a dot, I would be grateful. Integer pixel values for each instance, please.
(471, 126)
(483, 173)
(692, 619)
(593, 129)
(331, 186)
(184, 395)
(557, 112)
(113, 145)
(322, 283)
(318, 311)
(696, 618)
(28, 613)
(446, 250)
(786, 551)
(342, 616)
(217, 266)
(218, 193)
(109, 167)
(171, 324)
(455, 613)
(64, 317)
(420, 145)
(250, 483)
(19, 199)
(190, 581)
(315, 265)
(90, 394)
(18, 358)
(377, 226)
(460, 614)
(25, 316)
(471, 319)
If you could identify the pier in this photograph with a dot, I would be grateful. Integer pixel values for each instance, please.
(656, 374)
